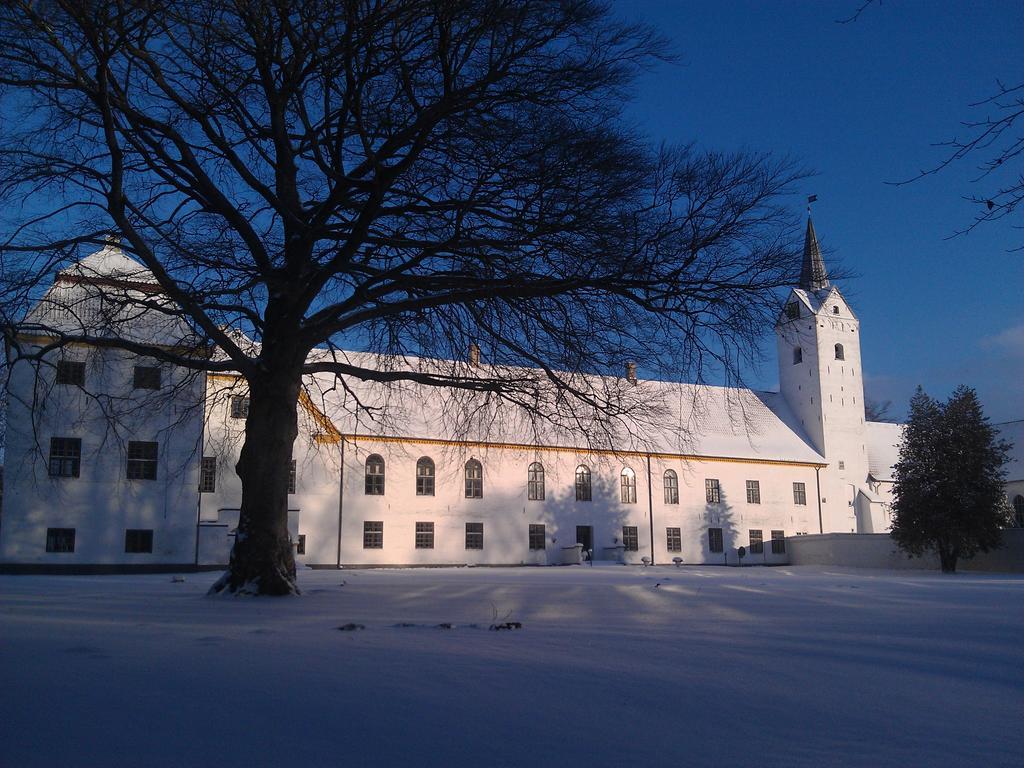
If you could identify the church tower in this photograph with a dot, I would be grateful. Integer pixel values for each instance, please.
(820, 377)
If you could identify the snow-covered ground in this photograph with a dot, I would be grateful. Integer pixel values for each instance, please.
(613, 666)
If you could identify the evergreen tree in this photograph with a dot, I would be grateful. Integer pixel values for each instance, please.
(948, 495)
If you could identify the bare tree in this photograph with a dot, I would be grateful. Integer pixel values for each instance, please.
(992, 139)
(401, 176)
(878, 410)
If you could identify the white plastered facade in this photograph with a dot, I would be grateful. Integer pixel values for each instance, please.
(775, 456)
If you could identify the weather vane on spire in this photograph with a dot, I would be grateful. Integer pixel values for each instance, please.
(810, 199)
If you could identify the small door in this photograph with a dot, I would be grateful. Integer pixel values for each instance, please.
(585, 536)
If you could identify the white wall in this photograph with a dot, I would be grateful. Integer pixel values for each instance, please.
(506, 512)
(101, 503)
(880, 551)
(827, 396)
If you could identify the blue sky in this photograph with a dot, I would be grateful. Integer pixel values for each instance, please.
(862, 104)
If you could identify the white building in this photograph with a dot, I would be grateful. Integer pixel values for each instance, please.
(155, 486)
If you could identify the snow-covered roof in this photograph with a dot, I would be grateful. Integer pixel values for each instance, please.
(1013, 432)
(110, 263)
(670, 418)
(815, 300)
(108, 294)
(883, 442)
(871, 496)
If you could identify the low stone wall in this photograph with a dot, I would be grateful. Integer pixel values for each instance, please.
(878, 550)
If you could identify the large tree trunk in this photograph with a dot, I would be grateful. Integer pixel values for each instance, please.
(262, 561)
(947, 559)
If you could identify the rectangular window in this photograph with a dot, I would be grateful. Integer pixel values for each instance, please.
(538, 536)
(474, 535)
(300, 545)
(713, 491)
(535, 482)
(583, 484)
(799, 494)
(474, 479)
(778, 542)
(60, 539)
(792, 311)
(239, 407)
(424, 477)
(671, 487)
(753, 491)
(756, 542)
(424, 486)
(142, 460)
(424, 535)
(630, 538)
(373, 534)
(842, 465)
(146, 377)
(715, 539)
(674, 540)
(208, 474)
(138, 541)
(292, 476)
(65, 456)
(627, 489)
(70, 372)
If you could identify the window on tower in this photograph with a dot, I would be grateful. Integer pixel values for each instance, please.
(840, 354)
(835, 309)
(798, 355)
(792, 310)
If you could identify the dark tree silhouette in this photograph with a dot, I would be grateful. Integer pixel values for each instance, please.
(402, 177)
(878, 410)
(948, 491)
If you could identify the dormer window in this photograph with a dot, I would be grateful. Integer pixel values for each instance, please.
(793, 310)
(798, 355)
(835, 309)
(840, 355)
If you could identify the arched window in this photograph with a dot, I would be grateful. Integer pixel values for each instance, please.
(583, 489)
(1018, 510)
(425, 476)
(535, 482)
(374, 475)
(474, 479)
(835, 309)
(628, 486)
(671, 487)
(798, 355)
(840, 355)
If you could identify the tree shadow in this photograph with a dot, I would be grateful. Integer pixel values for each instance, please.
(719, 515)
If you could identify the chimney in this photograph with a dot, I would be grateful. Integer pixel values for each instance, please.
(631, 372)
(474, 354)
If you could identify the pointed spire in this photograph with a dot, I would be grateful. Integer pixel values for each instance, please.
(813, 276)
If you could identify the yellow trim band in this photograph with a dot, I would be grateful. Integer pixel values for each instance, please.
(568, 449)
